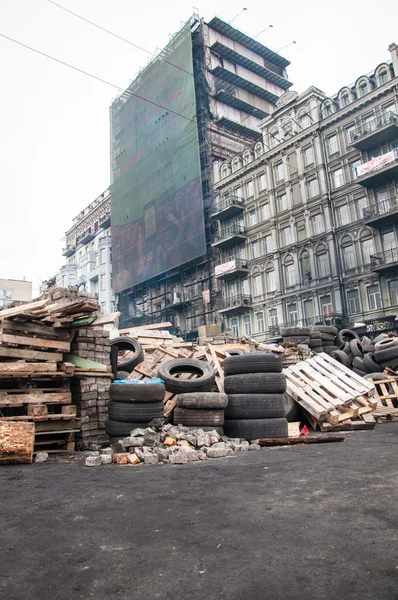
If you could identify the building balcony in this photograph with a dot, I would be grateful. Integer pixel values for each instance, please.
(227, 95)
(229, 237)
(382, 213)
(380, 130)
(105, 239)
(385, 261)
(231, 269)
(177, 300)
(227, 208)
(69, 250)
(106, 222)
(93, 274)
(378, 170)
(87, 237)
(235, 303)
(236, 128)
(68, 269)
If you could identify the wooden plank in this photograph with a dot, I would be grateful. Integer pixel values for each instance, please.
(84, 363)
(315, 409)
(36, 329)
(147, 327)
(22, 340)
(24, 367)
(340, 380)
(302, 439)
(170, 406)
(293, 429)
(39, 418)
(35, 396)
(216, 364)
(363, 382)
(16, 442)
(325, 382)
(105, 319)
(148, 333)
(31, 306)
(30, 354)
(43, 427)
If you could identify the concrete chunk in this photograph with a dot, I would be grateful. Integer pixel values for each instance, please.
(151, 438)
(138, 432)
(216, 452)
(151, 459)
(106, 459)
(93, 461)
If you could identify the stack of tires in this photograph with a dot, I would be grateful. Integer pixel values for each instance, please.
(133, 405)
(198, 406)
(323, 339)
(364, 356)
(255, 386)
(296, 335)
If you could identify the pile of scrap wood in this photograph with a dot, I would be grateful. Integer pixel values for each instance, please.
(332, 396)
(36, 368)
(386, 396)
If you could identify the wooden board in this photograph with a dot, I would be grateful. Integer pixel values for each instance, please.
(84, 364)
(21, 340)
(147, 327)
(24, 308)
(16, 442)
(24, 367)
(36, 329)
(30, 354)
(302, 439)
(35, 396)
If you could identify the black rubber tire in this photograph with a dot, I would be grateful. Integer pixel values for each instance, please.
(385, 344)
(198, 417)
(346, 335)
(297, 339)
(135, 356)
(315, 343)
(293, 410)
(255, 383)
(330, 349)
(254, 362)
(253, 429)
(341, 357)
(356, 348)
(384, 356)
(121, 429)
(255, 406)
(236, 352)
(315, 335)
(381, 336)
(368, 348)
(203, 383)
(140, 412)
(376, 376)
(293, 331)
(371, 365)
(359, 372)
(137, 392)
(317, 350)
(122, 375)
(358, 363)
(345, 347)
(366, 340)
(326, 329)
(208, 428)
(202, 400)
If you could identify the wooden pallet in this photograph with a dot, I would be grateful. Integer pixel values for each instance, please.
(55, 441)
(385, 395)
(328, 391)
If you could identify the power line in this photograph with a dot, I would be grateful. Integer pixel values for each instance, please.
(128, 92)
(117, 36)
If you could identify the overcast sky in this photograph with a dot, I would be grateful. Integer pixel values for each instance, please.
(54, 122)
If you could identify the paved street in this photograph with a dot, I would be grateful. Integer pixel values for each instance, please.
(313, 522)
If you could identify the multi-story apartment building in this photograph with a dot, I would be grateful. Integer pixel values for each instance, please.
(232, 82)
(306, 220)
(15, 290)
(88, 252)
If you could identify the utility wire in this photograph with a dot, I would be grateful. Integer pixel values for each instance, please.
(117, 36)
(128, 92)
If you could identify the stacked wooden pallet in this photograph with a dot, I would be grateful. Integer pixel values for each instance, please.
(386, 396)
(332, 395)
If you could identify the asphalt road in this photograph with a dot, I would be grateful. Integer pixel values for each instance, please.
(304, 522)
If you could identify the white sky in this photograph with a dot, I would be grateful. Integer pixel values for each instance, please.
(54, 122)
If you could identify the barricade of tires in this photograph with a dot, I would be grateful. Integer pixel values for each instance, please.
(296, 335)
(133, 404)
(323, 339)
(255, 386)
(365, 356)
(198, 405)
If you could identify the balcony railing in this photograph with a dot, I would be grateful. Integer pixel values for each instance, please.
(384, 260)
(227, 207)
(240, 301)
(229, 236)
(69, 250)
(379, 130)
(230, 268)
(378, 169)
(381, 212)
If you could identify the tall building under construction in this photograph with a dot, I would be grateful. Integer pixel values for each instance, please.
(197, 104)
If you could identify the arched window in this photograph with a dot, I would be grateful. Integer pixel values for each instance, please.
(287, 126)
(224, 172)
(367, 246)
(270, 279)
(348, 253)
(322, 261)
(304, 120)
(258, 150)
(236, 164)
(247, 157)
(273, 138)
(327, 109)
(363, 87)
(289, 271)
(345, 97)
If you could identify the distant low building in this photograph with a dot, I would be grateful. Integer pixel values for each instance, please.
(15, 290)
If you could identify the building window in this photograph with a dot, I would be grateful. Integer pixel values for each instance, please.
(367, 251)
(290, 275)
(235, 165)
(328, 110)
(255, 249)
(273, 317)
(262, 182)
(270, 281)
(349, 257)
(247, 326)
(292, 315)
(363, 90)
(383, 77)
(273, 138)
(252, 217)
(354, 305)
(258, 150)
(308, 156)
(259, 322)
(224, 171)
(374, 299)
(362, 204)
(313, 189)
(268, 244)
(343, 213)
(103, 283)
(235, 327)
(249, 188)
(279, 172)
(317, 224)
(349, 133)
(323, 264)
(257, 285)
(287, 236)
(345, 100)
(304, 121)
(266, 212)
(247, 158)
(333, 145)
(326, 305)
(393, 290)
(102, 256)
(282, 202)
(353, 168)
(338, 178)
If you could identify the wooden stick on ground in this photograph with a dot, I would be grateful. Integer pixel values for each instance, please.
(303, 439)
